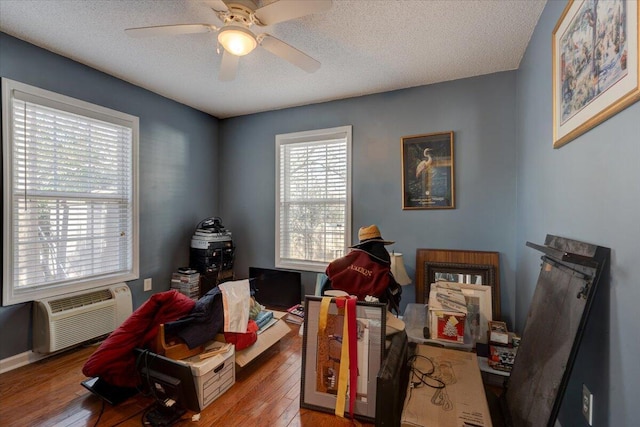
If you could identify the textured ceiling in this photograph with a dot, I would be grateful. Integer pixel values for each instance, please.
(364, 46)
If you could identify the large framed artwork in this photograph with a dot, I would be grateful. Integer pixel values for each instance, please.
(428, 171)
(595, 65)
(321, 356)
(461, 266)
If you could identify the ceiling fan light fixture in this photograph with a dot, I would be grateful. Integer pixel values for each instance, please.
(237, 40)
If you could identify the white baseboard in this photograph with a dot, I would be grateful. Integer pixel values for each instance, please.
(14, 362)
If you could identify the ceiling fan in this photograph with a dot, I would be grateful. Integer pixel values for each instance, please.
(235, 36)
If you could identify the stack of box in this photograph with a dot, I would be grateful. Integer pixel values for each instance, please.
(447, 312)
(187, 282)
(503, 347)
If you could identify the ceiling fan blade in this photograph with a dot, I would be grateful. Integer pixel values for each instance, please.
(217, 5)
(170, 30)
(288, 53)
(228, 66)
(285, 10)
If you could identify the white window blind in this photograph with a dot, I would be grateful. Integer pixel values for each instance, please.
(70, 201)
(313, 221)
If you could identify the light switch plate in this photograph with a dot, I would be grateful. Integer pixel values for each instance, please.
(587, 404)
(147, 284)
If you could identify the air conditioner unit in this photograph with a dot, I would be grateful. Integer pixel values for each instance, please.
(67, 320)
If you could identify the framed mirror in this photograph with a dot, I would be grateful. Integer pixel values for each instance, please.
(460, 273)
(468, 267)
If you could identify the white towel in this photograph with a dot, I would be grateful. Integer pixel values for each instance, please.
(236, 302)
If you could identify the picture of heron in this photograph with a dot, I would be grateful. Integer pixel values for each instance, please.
(424, 172)
(428, 171)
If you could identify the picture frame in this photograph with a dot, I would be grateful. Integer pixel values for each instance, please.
(595, 73)
(485, 264)
(479, 312)
(474, 282)
(318, 387)
(428, 171)
(474, 274)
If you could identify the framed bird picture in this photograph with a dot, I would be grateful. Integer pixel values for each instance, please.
(427, 171)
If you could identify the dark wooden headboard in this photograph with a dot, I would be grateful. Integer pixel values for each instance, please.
(486, 264)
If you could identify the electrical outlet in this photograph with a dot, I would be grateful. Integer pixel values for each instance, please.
(587, 404)
(147, 284)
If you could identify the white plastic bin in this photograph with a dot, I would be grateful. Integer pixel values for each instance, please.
(415, 320)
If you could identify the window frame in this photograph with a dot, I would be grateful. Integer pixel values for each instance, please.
(11, 295)
(305, 137)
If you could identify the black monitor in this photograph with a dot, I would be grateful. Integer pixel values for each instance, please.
(114, 395)
(278, 289)
(172, 385)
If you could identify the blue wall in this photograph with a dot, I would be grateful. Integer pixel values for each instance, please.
(588, 190)
(480, 111)
(178, 168)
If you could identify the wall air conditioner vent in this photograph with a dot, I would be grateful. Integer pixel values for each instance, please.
(76, 301)
(62, 322)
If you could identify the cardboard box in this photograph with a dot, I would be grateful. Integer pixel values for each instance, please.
(461, 402)
(214, 375)
(502, 357)
(266, 338)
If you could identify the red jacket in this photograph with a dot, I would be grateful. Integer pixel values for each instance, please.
(359, 274)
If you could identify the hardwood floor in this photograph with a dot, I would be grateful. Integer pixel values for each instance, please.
(266, 393)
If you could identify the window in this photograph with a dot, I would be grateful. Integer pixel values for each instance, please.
(313, 198)
(70, 194)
